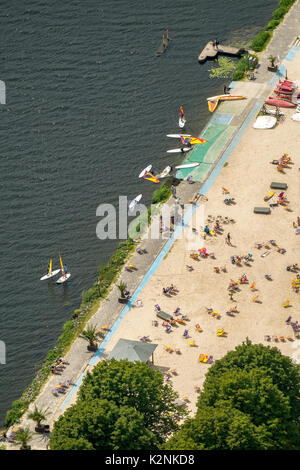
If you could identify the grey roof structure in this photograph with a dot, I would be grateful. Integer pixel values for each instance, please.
(132, 350)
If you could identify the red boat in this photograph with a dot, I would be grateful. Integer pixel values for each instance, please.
(281, 103)
(287, 83)
(284, 91)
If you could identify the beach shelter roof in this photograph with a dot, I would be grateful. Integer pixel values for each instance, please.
(132, 350)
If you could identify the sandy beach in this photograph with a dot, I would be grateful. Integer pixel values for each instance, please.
(259, 309)
(248, 177)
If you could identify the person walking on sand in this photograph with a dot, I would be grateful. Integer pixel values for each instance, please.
(228, 239)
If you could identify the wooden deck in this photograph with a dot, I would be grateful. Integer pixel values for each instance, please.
(211, 51)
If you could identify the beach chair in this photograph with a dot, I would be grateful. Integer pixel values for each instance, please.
(268, 277)
(180, 321)
(189, 268)
(201, 357)
(197, 388)
(286, 303)
(157, 308)
(198, 328)
(177, 311)
(267, 337)
(288, 320)
(255, 299)
(220, 332)
(275, 338)
(186, 334)
(216, 314)
(210, 360)
(252, 287)
(168, 329)
(177, 351)
(205, 358)
(168, 349)
(217, 269)
(192, 343)
(144, 339)
(282, 338)
(225, 191)
(155, 323)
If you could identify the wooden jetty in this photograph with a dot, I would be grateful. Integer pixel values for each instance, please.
(164, 45)
(212, 50)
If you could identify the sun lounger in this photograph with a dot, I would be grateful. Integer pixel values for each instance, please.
(210, 360)
(220, 332)
(275, 185)
(262, 210)
(205, 358)
(201, 357)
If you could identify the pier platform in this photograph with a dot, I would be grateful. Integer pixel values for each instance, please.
(212, 50)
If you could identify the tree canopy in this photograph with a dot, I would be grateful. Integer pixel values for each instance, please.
(121, 405)
(224, 68)
(101, 425)
(249, 401)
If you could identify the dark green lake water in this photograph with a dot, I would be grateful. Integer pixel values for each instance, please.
(88, 107)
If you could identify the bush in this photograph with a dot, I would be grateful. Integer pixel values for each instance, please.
(161, 195)
(279, 13)
(14, 414)
(237, 75)
(272, 25)
(260, 41)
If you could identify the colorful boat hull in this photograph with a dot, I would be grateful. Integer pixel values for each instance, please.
(272, 101)
(214, 100)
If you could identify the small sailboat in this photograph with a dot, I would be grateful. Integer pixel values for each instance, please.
(65, 275)
(50, 272)
(182, 119)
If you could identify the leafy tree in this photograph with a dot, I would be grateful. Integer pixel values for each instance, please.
(249, 401)
(101, 424)
(216, 428)
(137, 386)
(225, 68)
(284, 374)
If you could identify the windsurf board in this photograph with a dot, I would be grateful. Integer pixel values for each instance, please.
(187, 165)
(184, 149)
(148, 168)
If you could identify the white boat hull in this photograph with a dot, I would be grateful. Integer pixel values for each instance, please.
(185, 149)
(187, 165)
(48, 276)
(148, 168)
(177, 136)
(63, 279)
(181, 122)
